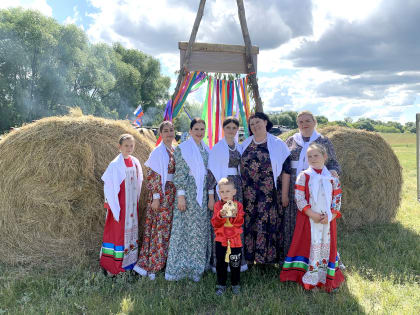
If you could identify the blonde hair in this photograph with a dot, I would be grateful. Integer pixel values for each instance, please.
(319, 147)
(226, 181)
(306, 112)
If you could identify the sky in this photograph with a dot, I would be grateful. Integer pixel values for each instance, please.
(337, 58)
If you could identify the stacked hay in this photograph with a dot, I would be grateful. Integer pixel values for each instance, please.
(51, 191)
(371, 176)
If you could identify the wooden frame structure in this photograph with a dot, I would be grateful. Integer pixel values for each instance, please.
(190, 55)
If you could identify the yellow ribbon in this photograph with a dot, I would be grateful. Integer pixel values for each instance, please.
(227, 252)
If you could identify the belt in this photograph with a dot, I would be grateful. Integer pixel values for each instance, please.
(170, 178)
(294, 164)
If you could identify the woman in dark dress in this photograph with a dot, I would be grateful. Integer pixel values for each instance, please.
(264, 164)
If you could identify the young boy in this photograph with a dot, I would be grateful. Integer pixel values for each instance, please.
(227, 221)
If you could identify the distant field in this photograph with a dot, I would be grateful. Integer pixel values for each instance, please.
(399, 139)
(383, 276)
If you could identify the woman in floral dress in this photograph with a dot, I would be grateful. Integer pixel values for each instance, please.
(160, 205)
(224, 160)
(298, 145)
(190, 243)
(264, 159)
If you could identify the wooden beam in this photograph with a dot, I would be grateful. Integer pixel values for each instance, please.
(189, 48)
(249, 61)
(206, 47)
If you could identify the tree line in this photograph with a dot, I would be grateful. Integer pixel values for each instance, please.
(288, 120)
(46, 67)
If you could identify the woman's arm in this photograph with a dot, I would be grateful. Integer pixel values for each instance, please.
(285, 182)
(154, 184)
(180, 178)
(332, 163)
(211, 188)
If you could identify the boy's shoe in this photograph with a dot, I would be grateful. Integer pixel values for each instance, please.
(236, 289)
(220, 289)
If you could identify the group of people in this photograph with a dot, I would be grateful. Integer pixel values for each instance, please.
(259, 203)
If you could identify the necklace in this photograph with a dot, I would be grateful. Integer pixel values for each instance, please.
(234, 147)
(260, 141)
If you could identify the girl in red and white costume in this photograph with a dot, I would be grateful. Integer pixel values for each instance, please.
(312, 258)
(122, 185)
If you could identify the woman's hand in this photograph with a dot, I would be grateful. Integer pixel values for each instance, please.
(285, 200)
(334, 173)
(211, 202)
(155, 204)
(324, 219)
(182, 204)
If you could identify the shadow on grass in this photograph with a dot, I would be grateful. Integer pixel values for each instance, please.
(382, 251)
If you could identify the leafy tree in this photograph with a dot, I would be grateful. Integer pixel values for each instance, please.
(286, 119)
(386, 129)
(364, 123)
(46, 67)
(322, 120)
(410, 127)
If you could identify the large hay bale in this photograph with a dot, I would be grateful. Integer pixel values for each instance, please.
(371, 176)
(51, 192)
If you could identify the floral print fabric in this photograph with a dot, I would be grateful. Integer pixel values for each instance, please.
(158, 223)
(189, 245)
(262, 215)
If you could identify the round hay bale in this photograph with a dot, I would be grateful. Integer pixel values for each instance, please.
(371, 176)
(148, 133)
(51, 192)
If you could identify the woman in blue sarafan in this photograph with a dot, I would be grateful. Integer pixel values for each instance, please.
(190, 242)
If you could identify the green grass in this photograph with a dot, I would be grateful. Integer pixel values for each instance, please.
(383, 276)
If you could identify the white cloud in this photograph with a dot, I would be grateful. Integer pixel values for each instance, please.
(40, 5)
(278, 27)
(75, 18)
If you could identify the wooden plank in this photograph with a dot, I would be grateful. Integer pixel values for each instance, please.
(222, 62)
(218, 48)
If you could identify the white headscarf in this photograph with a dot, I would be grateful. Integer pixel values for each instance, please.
(191, 154)
(219, 160)
(315, 181)
(278, 153)
(303, 159)
(158, 161)
(113, 177)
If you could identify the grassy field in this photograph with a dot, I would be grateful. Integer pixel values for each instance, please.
(383, 276)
